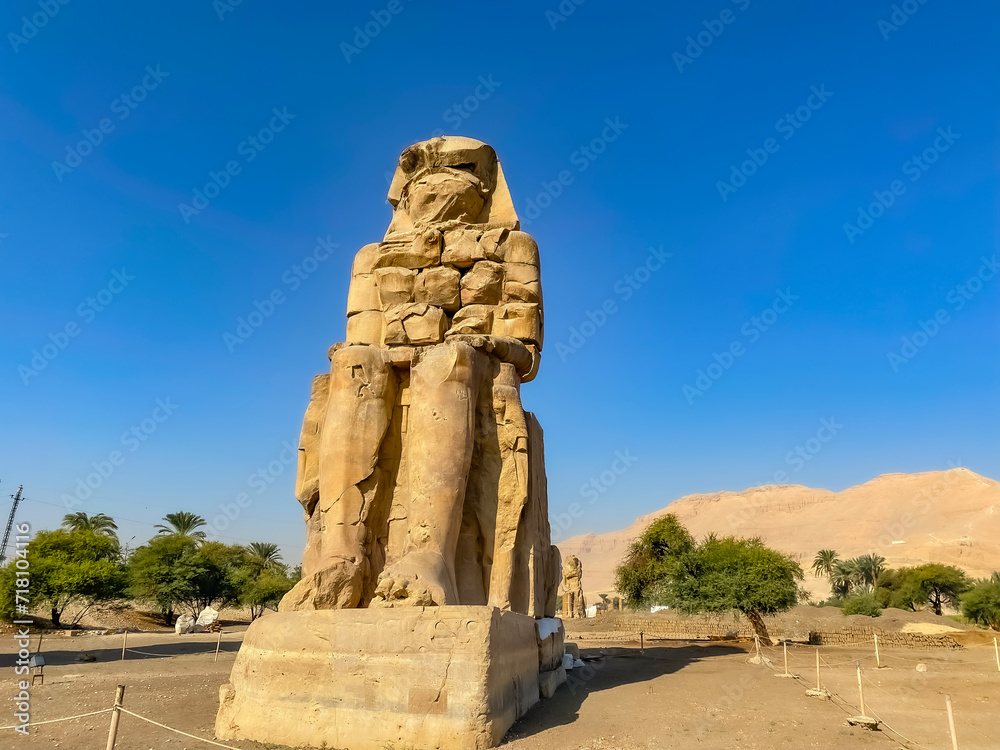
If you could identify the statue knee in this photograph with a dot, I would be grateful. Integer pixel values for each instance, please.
(351, 356)
(450, 361)
(352, 362)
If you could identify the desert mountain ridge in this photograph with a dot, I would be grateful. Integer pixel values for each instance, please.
(950, 517)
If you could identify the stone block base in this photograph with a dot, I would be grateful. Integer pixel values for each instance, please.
(436, 677)
(549, 682)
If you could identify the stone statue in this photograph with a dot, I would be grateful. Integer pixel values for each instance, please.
(421, 475)
(574, 605)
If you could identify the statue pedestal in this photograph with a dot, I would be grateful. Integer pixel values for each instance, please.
(435, 677)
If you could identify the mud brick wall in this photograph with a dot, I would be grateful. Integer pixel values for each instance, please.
(617, 627)
(856, 636)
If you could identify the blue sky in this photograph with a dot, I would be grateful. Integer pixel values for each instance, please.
(734, 139)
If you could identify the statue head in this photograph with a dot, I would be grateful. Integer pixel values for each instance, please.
(449, 180)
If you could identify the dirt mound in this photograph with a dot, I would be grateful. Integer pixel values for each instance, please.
(121, 615)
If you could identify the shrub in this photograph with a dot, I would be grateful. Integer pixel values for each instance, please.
(862, 604)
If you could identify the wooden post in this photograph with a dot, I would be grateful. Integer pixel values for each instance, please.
(115, 714)
(861, 689)
(38, 649)
(878, 662)
(124, 643)
(951, 723)
(818, 685)
(996, 651)
(642, 641)
(784, 647)
(217, 644)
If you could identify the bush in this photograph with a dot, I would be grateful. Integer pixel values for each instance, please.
(862, 604)
(981, 603)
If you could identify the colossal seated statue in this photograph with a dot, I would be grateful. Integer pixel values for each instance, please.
(421, 475)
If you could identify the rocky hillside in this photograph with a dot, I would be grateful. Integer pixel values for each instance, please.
(951, 517)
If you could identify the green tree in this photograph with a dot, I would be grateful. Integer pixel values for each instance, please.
(823, 564)
(666, 566)
(164, 572)
(981, 603)
(886, 588)
(855, 576)
(265, 591)
(223, 574)
(98, 523)
(650, 561)
(183, 523)
(932, 584)
(869, 567)
(742, 575)
(73, 567)
(8, 604)
(845, 578)
(266, 555)
(173, 570)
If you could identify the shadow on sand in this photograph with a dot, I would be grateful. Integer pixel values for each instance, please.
(607, 668)
(60, 657)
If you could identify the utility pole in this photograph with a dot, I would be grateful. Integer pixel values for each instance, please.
(10, 524)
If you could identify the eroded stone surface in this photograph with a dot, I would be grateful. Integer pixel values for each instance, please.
(574, 605)
(440, 500)
(422, 478)
(454, 678)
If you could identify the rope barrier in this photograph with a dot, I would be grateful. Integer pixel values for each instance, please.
(192, 653)
(842, 663)
(897, 700)
(54, 721)
(901, 736)
(850, 710)
(178, 731)
(974, 727)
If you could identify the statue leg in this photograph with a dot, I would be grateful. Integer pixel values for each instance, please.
(359, 407)
(444, 385)
(509, 587)
(476, 541)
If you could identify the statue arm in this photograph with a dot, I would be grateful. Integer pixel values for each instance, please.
(307, 476)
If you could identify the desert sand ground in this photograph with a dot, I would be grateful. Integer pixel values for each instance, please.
(674, 694)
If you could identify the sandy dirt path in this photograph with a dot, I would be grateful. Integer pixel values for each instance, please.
(673, 695)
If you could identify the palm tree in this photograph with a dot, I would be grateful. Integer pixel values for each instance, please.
(266, 555)
(825, 562)
(845, 577)
(183, 523)
(869, 567)
(100, 524)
